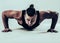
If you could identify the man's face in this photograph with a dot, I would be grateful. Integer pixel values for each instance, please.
(30, 20)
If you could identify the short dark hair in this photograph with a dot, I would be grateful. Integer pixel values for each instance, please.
(31, 10)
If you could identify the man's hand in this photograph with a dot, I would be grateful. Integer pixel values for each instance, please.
(52, 30)
(7, 30)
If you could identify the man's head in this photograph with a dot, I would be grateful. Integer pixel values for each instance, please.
(30, 16)
(31, 10)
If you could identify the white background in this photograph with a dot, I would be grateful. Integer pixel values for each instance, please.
(39, 35)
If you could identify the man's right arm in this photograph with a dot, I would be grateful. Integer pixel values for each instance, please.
(9, 14)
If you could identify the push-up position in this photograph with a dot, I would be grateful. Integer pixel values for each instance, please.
(29, 18)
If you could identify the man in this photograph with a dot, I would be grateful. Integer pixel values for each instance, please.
(29, 18)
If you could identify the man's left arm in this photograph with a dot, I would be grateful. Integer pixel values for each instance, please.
(50, 15)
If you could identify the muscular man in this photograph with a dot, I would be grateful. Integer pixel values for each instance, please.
(29, 18)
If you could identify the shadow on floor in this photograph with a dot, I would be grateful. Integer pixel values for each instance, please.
(23, 29)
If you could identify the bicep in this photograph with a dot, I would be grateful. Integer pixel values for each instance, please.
(18, 15)
(47, 15)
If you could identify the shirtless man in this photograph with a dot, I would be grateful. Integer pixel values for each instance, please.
(29, 18)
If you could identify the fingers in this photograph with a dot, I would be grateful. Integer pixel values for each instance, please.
(7, 30)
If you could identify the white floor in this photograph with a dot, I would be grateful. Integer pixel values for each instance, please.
(36, 36)
(39, 35)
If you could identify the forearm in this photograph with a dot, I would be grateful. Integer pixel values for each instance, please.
(5, 22)
(54, 21)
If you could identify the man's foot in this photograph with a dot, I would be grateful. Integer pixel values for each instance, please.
(7, 30)
(52, 30)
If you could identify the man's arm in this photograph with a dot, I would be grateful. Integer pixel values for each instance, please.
(9, 14)
(50, 15)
